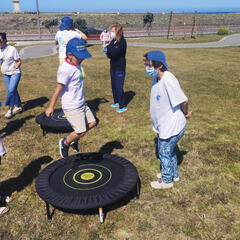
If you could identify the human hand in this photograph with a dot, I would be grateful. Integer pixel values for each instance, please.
(188, 115)
(49, 111)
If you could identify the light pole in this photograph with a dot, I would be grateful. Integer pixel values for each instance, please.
(38, 19)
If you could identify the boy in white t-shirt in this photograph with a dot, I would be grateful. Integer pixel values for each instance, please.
(70, 87)
(169, 110)
(66, 33)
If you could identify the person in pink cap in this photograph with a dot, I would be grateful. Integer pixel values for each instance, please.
(105, 37)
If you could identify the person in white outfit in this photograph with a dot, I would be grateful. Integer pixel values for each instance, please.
(11, 70)
(67, 32)
(169, 111)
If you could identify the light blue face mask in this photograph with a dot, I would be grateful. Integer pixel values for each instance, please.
(151, 72)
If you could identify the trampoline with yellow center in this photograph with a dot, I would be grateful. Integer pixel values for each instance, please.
(87, 181)
(57, 123)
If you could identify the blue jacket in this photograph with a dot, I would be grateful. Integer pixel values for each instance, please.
(116, 51)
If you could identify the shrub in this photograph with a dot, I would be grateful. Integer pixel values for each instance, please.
(148, 18)
(50, 23)
(223, 31)
(81, 24)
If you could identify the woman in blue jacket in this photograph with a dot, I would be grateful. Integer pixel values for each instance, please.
(116, 51)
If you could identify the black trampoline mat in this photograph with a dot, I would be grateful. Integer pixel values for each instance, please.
(82, 179)
(59, 116)
(86, 180)
(56, 123)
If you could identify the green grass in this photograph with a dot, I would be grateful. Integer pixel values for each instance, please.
(205, 204)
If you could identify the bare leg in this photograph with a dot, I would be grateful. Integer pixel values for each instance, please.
(74, 136)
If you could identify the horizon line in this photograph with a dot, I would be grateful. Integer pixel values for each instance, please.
(132, 11)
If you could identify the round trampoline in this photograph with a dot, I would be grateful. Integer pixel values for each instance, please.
(87, 181)
(58, 123)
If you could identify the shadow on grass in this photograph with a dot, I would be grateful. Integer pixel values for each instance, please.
(94, 104)
(180, 154)
(110, 146)
(29, 173)
(129, 95)
(13, 126)
(30, 104)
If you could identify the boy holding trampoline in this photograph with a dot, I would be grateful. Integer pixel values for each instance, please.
(70, 87)
(169, 111)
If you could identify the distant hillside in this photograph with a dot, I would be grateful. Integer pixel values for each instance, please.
(27, 23)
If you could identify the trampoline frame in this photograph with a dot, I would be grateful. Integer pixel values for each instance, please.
(100, 209)
(135, 188)
(46, 123)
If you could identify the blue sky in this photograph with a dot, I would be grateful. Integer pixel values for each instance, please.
(123, 5)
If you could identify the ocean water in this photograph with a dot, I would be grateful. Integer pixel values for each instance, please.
(130, 10)
(207, 11)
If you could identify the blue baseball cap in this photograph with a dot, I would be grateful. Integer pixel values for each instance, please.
(66, 22)
(77, 47)
(157, 56)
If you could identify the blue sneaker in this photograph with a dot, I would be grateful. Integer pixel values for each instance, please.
(120, 110)
(114, 105)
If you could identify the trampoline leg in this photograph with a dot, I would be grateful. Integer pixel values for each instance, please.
(44, 133)
(101, 215)
(138, 190)
(48, 211)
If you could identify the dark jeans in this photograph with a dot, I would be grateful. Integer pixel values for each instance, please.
(117, 81)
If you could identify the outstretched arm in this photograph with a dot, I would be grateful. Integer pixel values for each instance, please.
(49, 111)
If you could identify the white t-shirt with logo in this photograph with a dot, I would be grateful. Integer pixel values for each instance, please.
(8, 56)
(166, 96)
(71, 76)
(62, 37)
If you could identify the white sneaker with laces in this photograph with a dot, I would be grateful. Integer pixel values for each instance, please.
(9, 114)
(162, 185)
(17, 110)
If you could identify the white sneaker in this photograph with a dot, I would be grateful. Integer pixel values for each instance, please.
(159, 176)
(162, 185)
(8, 199)
(176, 179)
(9, 114)
(17, 110)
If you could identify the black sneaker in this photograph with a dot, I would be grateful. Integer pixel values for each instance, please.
(63, 148)
(74, 146)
